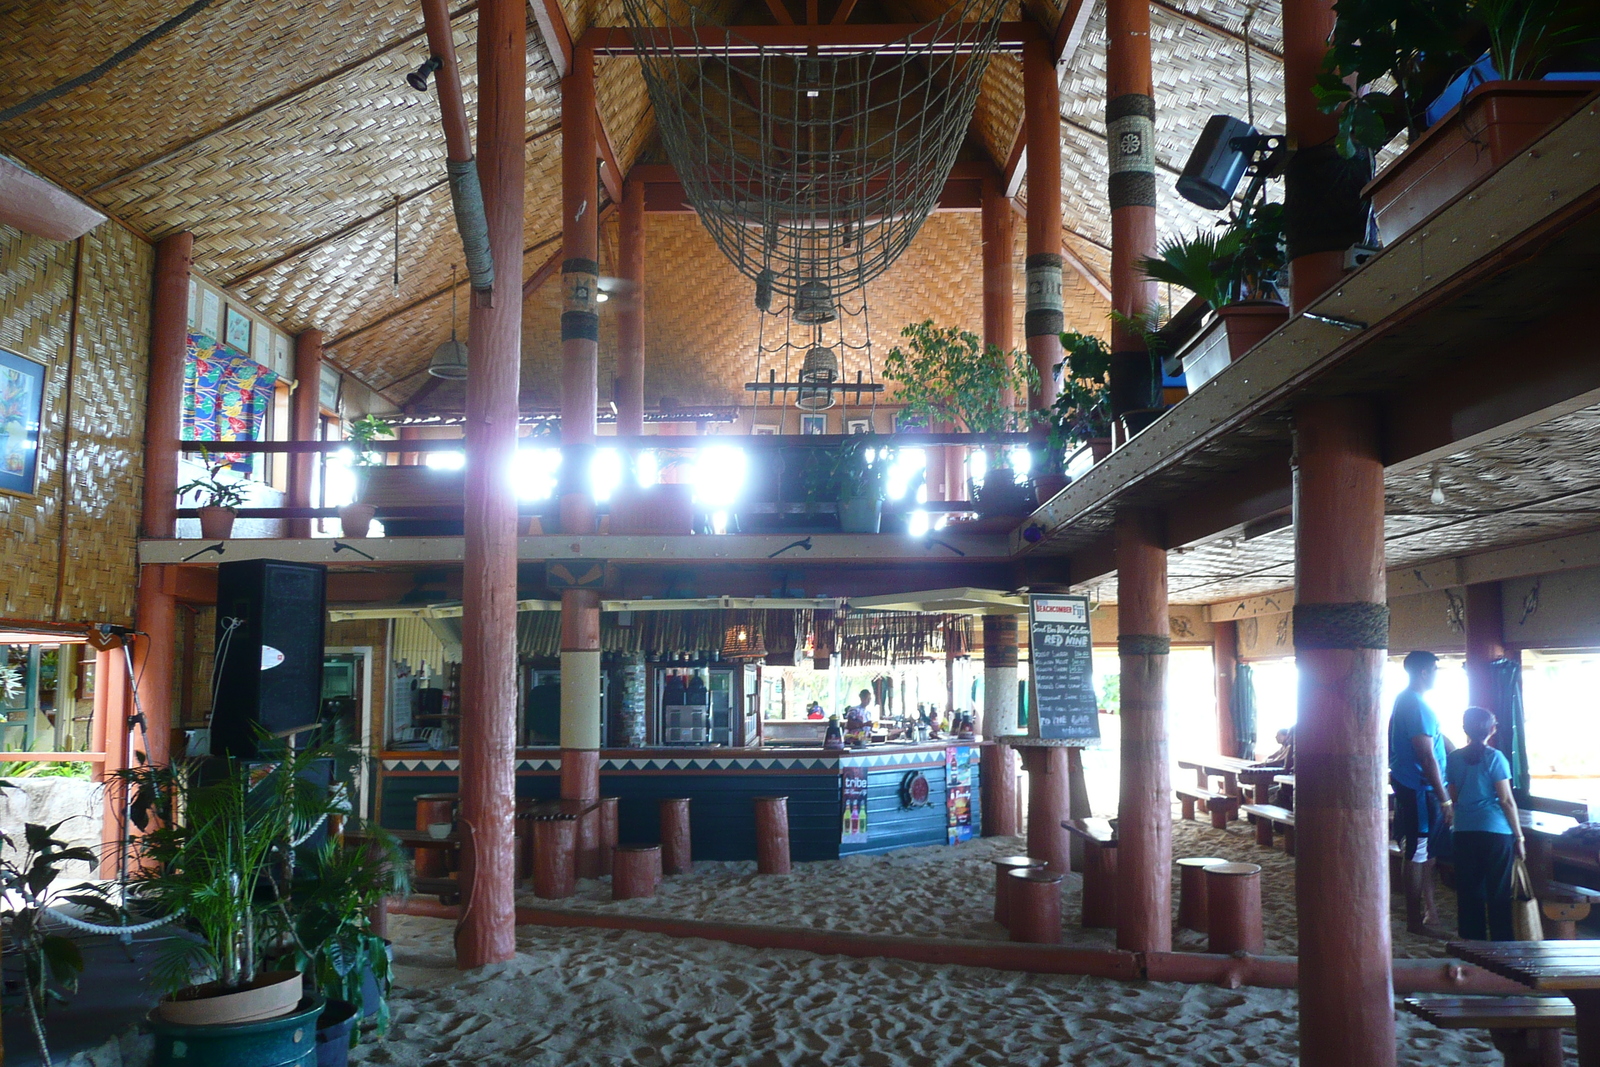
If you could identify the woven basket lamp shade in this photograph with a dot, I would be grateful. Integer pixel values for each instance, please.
(817, 375)
(449, 361)
(743, 642)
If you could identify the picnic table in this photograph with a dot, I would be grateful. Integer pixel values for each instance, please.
(1541, 829)
(1568, 967)
(1227, 768)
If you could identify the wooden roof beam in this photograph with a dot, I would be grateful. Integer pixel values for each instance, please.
(1064, 42)
(564, 51)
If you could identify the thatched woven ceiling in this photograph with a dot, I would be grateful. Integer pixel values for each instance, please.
(282, 134)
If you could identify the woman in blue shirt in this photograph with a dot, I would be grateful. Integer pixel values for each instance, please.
(1487, 831)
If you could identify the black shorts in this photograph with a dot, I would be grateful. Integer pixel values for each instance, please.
(1408, 805)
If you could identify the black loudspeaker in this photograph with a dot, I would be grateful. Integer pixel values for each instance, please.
(270, 621)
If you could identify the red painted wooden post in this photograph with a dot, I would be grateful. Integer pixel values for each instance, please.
(1224, 661)
(1144, 829)
(630, 311)
(997, 761)
(1307, 25)
(772, 835)
(1340, 630)
(1130, 120)
(1192, 906)
(1042, 321)
(305, 413)
(1485, 644)
(1035, 906)
(1233, 908)
(637, 871)
(1048, 805)
(489, 590)
(675, 853)
(999, 289)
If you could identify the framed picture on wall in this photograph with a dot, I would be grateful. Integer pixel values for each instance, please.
(854, 426)
(210, 314)
(238, 330)
(764, 429)
(814, 425)
(21, 411)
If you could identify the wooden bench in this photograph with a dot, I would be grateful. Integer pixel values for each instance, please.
(1526, 1030)
(1221, 806)
(1099, 870)
(1267, 816)
(1564, 906)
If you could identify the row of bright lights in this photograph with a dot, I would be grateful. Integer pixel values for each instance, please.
(717, 475)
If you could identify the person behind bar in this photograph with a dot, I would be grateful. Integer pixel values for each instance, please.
(1487, 832)
(1422, 809)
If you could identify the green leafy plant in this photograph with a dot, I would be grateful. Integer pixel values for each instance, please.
(331, 906)
(213, 491)
(860, 468)
(28, 870)
(1241, 260)
(362, 433)
(1082, 410)
(949, 375)
(1524, 35)
(1386, 61)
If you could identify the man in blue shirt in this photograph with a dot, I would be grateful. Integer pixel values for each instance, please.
(1422, 807)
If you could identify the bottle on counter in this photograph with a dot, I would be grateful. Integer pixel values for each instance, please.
(833, 737)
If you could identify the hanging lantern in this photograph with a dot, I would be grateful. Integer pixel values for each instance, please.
(449, 361)
(813, 303)
(742, 641)
(817, 375)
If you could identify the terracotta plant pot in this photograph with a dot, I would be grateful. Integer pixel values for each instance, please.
(355, 520)
(272, 994)
(1248, 323)
(666, 509)
(1046, 486)
(1492, 123)
(216, 524)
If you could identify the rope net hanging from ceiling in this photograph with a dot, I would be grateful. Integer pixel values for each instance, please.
(813, 172)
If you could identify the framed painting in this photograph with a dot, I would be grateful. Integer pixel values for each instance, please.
(238, 330)
(764, 429)
(854, 426)
(814, 425)
(210, 314)
(21, 412)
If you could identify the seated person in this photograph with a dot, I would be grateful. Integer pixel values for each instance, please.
(814, 710)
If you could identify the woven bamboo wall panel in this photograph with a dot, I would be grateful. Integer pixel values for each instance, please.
(223, 63)
(105, 476)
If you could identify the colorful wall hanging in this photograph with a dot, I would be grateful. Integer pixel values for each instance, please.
(225, 396)
(21, 412)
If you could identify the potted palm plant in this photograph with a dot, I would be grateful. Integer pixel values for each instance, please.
(1237, 270)
(948, 376)
(355, 518)
(216, 499)
(1394, 67)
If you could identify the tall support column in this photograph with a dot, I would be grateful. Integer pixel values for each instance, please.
(1049, 802)
(580, 334)
(489, 589)
(1486, 643)
(1144, 827)
(1323, 211)
(999, 298)
(304, 412)
(108, 733)
(1341, 631)
(155, 610)
(1224, 662)
(1131, 125)
(998, 764)
(630, 311)
(1043, 320)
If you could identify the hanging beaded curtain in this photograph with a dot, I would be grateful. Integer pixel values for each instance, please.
(813, 170)
(891, 638)
(656, 632)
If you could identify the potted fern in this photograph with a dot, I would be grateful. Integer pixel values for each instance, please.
(949, 376)
(217, 499)
(355, 518)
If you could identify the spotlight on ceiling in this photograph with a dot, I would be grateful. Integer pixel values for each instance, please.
(1217, 162)
(418, 79)
(601, 296)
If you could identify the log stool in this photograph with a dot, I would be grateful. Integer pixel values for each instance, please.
(608, 832)
(429, 860)
(1233, 908)
(1192, 891)
(635, 871)
(586, 843)
(772, 835)
(1035, 903)
(674, 812)
(555, 870)
(1002, 884)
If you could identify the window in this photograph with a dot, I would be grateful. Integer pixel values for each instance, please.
(28, 681)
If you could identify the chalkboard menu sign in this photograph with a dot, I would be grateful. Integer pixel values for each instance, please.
(1061, 654)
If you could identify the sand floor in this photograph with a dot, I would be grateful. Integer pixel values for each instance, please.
(575, 996)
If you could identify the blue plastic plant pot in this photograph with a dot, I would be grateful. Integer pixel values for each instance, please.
(287, 1041)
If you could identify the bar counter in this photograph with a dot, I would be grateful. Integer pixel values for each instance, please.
(723, 782)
